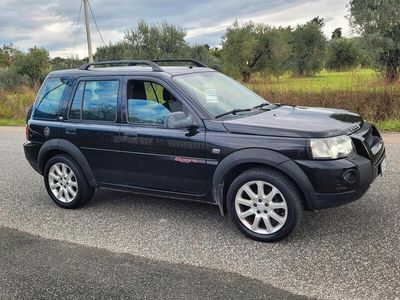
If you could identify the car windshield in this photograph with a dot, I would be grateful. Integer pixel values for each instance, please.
(219, 94)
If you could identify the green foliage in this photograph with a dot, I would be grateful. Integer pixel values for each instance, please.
(308, 48)
(378, 21)
(11, 80)
(202, 53)
(117, 51)
(149, 41)
(35, 64)
(250, 48)
(342, 54)
(7, 55)
(337, 33)
(60, 63)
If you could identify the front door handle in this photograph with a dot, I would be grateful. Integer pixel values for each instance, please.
(70, 130)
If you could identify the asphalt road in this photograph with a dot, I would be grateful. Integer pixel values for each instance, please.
(346, 252)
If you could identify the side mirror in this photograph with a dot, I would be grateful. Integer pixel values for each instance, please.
(178, 119)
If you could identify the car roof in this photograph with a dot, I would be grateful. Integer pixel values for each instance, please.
(130, 70)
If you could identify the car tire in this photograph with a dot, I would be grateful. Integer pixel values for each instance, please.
(66, 183)
(264, 204)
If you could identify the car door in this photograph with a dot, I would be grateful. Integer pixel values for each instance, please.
(156, 157)
(92, 124)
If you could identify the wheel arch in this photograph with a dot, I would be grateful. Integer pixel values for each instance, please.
(60, 146)
(238, 162)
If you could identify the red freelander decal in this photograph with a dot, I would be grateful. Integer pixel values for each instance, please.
(185, 160)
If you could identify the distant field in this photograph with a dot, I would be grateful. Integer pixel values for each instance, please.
(360, 90)
(359, 79)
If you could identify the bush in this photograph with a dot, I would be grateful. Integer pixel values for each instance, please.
(15, 104)
(10, 80)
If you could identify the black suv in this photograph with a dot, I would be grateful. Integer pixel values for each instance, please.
(181, 130)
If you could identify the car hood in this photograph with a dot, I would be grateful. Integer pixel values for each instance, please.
(296, 121)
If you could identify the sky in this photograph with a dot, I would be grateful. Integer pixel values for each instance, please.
(53, 24)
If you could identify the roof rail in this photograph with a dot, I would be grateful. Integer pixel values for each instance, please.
(149, 63)
(193, 61)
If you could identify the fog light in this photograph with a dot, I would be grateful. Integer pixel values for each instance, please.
(350, 177)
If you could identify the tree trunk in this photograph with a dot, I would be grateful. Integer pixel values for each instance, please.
(392, 73)
(246, 76)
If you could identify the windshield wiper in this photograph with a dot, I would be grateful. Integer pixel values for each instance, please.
(262, 105)
(233, 112)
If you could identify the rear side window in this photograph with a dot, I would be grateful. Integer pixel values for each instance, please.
(95, 100)
(49, 98)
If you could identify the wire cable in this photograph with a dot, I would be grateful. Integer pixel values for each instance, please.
(95, 22)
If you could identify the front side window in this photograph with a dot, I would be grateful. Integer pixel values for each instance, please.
(218, 93)
(149, 103)
(49, 98)
(95, 101)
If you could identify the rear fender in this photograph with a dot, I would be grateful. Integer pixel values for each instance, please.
(72, 150)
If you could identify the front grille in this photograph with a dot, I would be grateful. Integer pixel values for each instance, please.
(368, 142)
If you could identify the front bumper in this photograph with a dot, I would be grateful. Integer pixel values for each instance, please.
(331, 183)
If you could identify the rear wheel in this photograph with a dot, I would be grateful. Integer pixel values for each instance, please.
(264, 204)
(66, 183)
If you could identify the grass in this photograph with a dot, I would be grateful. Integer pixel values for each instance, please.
(357, 79)
(12, 122)
(389, 125)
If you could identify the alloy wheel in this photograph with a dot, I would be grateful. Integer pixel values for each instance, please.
(63, 183)
(261, 207)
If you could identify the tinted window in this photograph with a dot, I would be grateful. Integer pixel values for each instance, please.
(146, 112)
(149, 103)
(76, 107)
(96, 99)
(49, 98)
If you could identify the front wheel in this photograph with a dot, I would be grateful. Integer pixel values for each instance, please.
(264, 204)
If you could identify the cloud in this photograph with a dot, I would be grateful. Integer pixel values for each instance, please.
(53, 24)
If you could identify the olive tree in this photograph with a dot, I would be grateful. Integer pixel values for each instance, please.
(378, 22)
(35, 64)
(308, 48)
(251, 48)
(342, 54)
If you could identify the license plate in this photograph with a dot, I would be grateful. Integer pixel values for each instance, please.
(383, 167)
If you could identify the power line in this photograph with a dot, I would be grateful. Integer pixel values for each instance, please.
(97, 27)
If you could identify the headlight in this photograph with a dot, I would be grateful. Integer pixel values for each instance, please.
(332, 148)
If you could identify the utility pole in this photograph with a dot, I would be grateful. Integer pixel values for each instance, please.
(88, 37)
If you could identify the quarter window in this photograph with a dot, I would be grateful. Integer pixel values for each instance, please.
(49, 99)
(76, 107)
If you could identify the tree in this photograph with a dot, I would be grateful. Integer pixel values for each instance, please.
(35, 64)
(203, 53)
(251, 48)
(378, 22)
(308, 48)
(7, 55)
(337, 33)
(342, 54)
(60, 63)
(149, 41)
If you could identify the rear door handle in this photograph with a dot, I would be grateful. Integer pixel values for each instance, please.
(70, 130)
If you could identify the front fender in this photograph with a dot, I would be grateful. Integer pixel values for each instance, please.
(252, 155)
